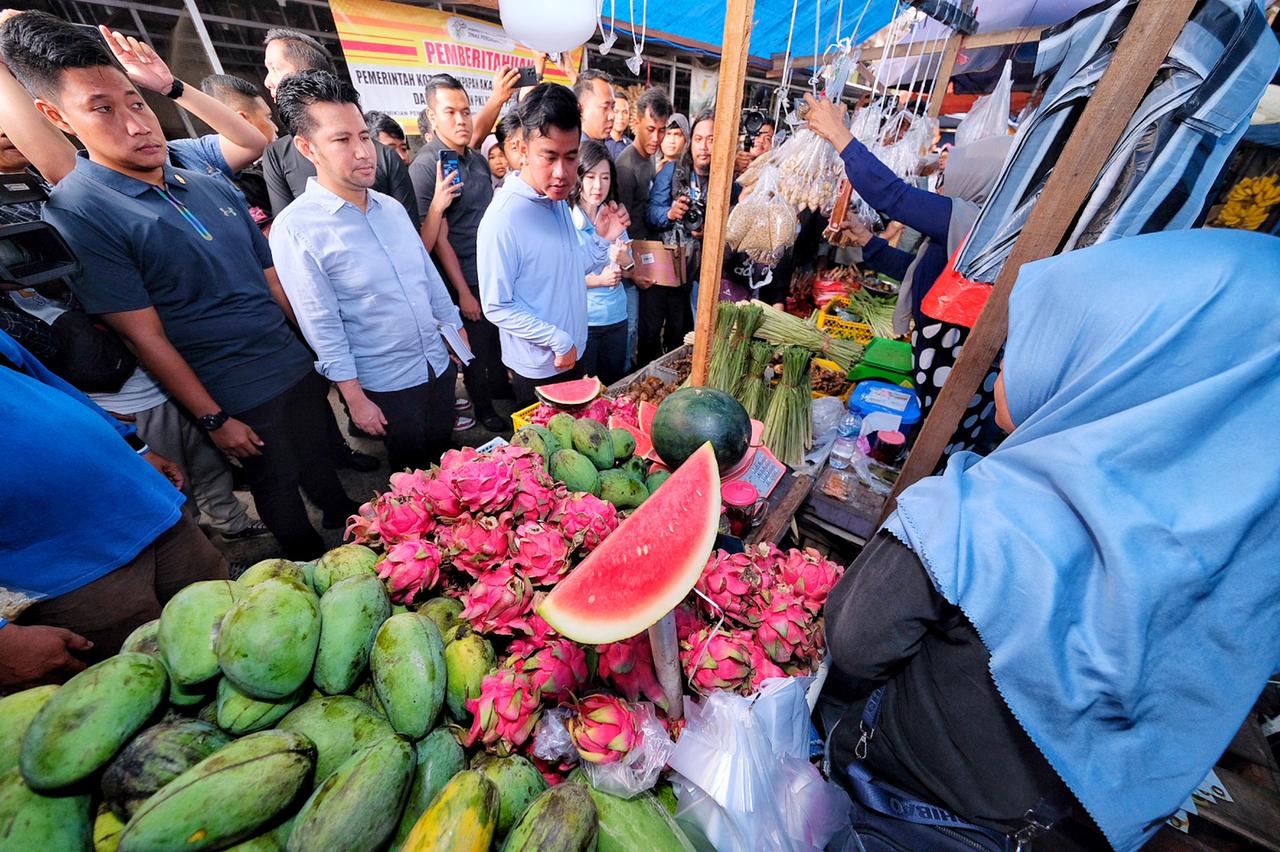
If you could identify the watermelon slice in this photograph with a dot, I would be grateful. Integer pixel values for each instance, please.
(644, 445)
(647, 412)
(574, 394)
(647, 565)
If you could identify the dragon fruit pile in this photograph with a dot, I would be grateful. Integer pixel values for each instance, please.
(601, 409)
(494, 532)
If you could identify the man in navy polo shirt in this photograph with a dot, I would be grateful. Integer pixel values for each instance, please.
(175, 264)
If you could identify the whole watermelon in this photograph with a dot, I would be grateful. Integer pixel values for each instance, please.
(690, 417)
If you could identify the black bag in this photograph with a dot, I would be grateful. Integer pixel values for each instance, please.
(91, 357)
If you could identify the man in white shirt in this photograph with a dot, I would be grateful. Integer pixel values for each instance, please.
(367, 298)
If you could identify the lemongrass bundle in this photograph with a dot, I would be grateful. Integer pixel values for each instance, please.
(783, 329)
(726, 319)
(756, 390)
(788, 424)
(874, 310)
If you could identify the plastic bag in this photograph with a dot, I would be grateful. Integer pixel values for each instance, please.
(810, 171)
(828, 411)
(762, 225)
(990, 114)
(639, 770)
(744, 780)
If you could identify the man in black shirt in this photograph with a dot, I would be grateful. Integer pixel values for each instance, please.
(635, 164)
(594, 91)
(246, 99)
(286, 171)
(449, 110)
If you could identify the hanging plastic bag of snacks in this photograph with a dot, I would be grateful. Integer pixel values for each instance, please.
(762, 225)
(810, 172)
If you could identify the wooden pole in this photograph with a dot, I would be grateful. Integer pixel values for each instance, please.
(1155, 26)
(943, 78)
(733, 75)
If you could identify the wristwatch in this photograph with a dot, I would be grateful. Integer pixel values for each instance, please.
(213, 422)
(176, 90)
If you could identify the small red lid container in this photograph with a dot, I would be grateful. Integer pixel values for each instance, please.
(739, 494)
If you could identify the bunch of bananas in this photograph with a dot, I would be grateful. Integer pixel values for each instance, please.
(1249, 203)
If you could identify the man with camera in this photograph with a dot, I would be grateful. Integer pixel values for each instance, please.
(677, 209)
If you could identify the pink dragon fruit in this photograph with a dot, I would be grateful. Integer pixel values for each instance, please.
(785, 626)
(717, 660)
(542, 415)
(604, 729)
(628, 667)
(626, 410)
(484, 485)
(558, 668)
(585, 520)
(475, 544)
(730, 581)
(442, 499)
(535, 499)
(401, 518)
(360, 527)
(688, 621)
(541, 552)
(505, 712)
(599, 410)
(522, 460)
(810, 575)
(501, 602)
(406, 483)
(454, 459)
(411, 566)
(762, 668)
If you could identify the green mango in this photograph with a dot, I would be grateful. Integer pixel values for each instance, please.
(592, 439)
(621, 489)
(562, 819)
(240, 713)
(267, 643)
(189, 627)
(636, 468)
(561, 428)
(468, 658)
(350, 614)
(409, 672)
(107, 828)
(624, 445)
(655, 480)
(576, 471)
(338, 725)
(636, 823)
(366, 693)
(308, 574)
(16, 713)
(349, 560)
(518, 781)
(154, 758)
(354, 808)
(439, 758)
(89, 718)
(145, 639)
(270, 569)
(30, 820)
(445, 612)
(536, 438)
(227, 797)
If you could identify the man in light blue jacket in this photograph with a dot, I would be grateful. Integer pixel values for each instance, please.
(531, 264)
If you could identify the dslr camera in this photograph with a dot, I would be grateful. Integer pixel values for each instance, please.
(753, 121)
(696, 214)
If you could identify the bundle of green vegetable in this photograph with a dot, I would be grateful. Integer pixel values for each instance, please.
(755, 390)
(733, 366)
(783, 329)
(726, 319)
(875, 311)
(788, 424)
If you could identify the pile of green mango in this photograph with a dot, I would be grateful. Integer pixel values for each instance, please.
(585, 455)
(292, 709)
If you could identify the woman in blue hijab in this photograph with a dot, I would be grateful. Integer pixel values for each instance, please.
(1087, 615)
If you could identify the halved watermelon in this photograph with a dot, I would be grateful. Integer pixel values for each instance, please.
(574, 394)
(647, 565)
(644, 445)
(647, 412)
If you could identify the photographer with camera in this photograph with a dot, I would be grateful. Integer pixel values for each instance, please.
(678, 209)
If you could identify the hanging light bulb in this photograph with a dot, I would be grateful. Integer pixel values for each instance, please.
(551, 26)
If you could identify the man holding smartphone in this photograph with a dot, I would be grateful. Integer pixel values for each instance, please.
(450, 154)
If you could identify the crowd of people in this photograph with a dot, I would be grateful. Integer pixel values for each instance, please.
(225, 285)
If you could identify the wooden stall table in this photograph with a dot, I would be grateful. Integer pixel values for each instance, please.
(784, 502)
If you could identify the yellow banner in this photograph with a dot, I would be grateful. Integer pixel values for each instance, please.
(393, 49)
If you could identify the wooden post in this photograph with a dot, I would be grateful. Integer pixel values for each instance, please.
(1155, 26)
(943, 78)
(733, 76)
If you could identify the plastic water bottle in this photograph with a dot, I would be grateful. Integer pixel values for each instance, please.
(846, 445)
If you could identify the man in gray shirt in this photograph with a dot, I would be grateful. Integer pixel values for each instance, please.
(635, 164)
(449, 110)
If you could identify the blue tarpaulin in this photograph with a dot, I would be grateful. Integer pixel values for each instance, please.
(702, 22)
